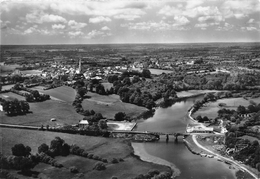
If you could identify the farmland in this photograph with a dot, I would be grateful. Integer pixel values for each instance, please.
(108, 106)
(103, 147)
(42, 112)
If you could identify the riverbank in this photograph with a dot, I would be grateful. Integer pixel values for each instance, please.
(107, 148)
(140, 151)
(240, 166)
(218, 155)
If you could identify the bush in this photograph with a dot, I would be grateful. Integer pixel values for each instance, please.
(95, 157)
(90, 156)
(74, 169)
(104, 160)
(85, 154)
(99, 166)
(114, 160)
(121, 160)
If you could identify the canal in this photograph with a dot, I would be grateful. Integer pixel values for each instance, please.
(175, 119)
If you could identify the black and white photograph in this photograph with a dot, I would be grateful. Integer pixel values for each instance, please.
(130, 89)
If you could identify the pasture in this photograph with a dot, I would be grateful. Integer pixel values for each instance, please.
(109, 105)
(159, 71)
(63, 93)
(104, 147)
(42, 112)
(211, 109)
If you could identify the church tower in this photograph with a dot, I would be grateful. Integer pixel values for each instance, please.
(79, 69)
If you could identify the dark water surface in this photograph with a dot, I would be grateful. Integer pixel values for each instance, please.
(175, 119)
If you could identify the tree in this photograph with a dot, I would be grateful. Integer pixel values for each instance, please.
(43, 148)
(120, 116)
(56, 145)
(21, 150)
(82, 91)
(199, 118)
(146, 73)
(102, 124)
(241, 109)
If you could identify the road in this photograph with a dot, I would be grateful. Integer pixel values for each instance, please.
(224, 158)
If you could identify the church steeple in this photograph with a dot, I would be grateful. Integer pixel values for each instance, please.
(79, 69)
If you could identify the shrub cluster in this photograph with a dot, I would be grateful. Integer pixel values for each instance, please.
(43, 157)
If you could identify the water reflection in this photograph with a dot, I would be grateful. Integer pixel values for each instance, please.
(175, 119)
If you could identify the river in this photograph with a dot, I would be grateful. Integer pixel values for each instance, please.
(175, 119)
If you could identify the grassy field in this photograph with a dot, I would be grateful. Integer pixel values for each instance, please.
(63, 93)
(42, 112)
(108, 106)
(159, 71)
(7, 87)
(211, 109)
(11, 96)
(104, 147)
(107, 85)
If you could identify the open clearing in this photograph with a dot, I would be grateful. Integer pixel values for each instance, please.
(42, 112)
(109, 105)
(159, 71)
(11, 96)
(104, 147)
(63, 93)
(211, 108)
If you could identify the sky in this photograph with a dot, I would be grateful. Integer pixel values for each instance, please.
(128, 21)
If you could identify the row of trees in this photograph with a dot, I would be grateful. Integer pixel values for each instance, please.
(15, 107)
(32, 95)
(250, 154)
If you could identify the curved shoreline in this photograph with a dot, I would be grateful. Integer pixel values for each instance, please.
(144, 156)
(217, 155)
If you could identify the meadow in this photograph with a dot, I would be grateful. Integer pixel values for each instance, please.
(63, 93)
(211, 109)
(42, 112)
(109, 105)
(104, 147)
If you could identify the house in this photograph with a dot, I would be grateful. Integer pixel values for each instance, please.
(83, 123)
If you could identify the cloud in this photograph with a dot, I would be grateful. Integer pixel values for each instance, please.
(117, 9)
(204, 26)
(156, 26)
(226, 27)
(94, 33)
(181, 20)
(74, 34)
(4, 24)
(34, 29)
(105, 28)
(251, 21)
(58, 26)
(40, 17)
(99, 19)
(214, 18)
(240, 8)
(76, 25)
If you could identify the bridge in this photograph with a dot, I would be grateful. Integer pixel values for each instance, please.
(153, 134)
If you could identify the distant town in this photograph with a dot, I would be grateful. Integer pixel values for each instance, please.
(92, 111)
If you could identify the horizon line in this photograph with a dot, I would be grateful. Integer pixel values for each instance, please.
(132, 43)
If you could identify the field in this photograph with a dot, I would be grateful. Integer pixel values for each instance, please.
(211, 109)
(7, 87)
(11, 96)
(158, 71)
(108, 106)
(193, 92)
(107, 85)
(104, 147)
(63, 93)
(42, 112)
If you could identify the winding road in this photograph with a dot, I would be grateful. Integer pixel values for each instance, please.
(221, 157)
